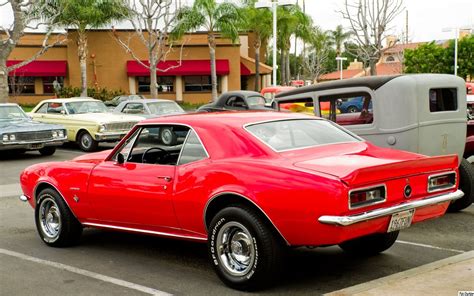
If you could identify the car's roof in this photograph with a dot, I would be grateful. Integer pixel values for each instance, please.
(246, 93)
(68, 100)
(372, 82)
(8, 104)
(148, 101)
(229, 118)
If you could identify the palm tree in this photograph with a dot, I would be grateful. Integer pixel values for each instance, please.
(83, 15)
(259, 21)
(339, 36)
(224, 18)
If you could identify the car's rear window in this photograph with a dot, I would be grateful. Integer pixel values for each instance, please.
(299, 133)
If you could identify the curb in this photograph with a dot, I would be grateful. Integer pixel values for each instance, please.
(397, 277)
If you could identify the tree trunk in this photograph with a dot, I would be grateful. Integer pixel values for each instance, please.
(3, 81)
(373, 67)
(282, 68)
(82, 53)
(212, 53)
(153, 79)
(288, 70)
(257, 68)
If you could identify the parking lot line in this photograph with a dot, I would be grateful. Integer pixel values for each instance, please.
(429, 246)
(86, 273)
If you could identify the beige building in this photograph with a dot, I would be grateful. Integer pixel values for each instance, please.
(110, 66)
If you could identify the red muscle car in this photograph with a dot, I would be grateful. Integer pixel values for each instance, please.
(250, 184)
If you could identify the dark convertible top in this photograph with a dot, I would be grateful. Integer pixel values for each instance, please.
(372, 82)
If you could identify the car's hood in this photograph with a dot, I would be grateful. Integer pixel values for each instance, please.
(95, 157)
(26, 125)
(106, 117)
(362, 163)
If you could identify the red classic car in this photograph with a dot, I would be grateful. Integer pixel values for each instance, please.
(250, 184)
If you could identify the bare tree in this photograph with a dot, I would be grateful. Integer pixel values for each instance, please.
(27, 14)
(152, 20)
(370, 20)
(320, 46)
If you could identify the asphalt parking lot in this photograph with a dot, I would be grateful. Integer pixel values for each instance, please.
(112, 263)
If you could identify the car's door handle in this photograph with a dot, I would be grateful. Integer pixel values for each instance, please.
(166, 178)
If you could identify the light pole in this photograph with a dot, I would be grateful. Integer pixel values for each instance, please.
(456, 33)
(340, 61)
(273, 4)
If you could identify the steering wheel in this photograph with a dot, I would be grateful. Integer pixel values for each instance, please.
(150, 149)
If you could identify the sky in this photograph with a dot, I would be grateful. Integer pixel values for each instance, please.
(427, 18)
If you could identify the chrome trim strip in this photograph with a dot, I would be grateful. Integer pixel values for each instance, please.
(248, 199)
(57, 190)
(59, 140)
(441, 174)
(24, 198)
(366, 189)
(145, 231)
(378, 213)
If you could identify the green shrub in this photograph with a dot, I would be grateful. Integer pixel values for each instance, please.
(102, 94)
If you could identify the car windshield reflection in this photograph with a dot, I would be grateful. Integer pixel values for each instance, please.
(161, 108)
(86, 107)
(12, 113)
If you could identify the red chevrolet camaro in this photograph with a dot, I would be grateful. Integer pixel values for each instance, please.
(250, 184)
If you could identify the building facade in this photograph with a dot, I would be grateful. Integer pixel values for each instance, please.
(187, 65)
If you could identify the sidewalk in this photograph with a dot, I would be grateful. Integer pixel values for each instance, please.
(443, 277)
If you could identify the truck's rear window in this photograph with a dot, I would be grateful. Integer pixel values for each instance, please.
(443, 99)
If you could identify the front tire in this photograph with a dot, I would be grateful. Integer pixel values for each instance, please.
(55, 223)
(466, 184)
(86, 142)
(244, 251)
(47, 151)
(370, 245)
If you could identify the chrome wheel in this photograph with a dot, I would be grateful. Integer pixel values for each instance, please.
(86, 141)
(50, 218)
(235, 248)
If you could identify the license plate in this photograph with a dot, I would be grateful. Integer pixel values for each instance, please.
(36, 146)
(401, 220)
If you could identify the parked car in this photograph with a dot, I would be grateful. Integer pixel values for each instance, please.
(238, 101)
(119, 99)
(149, 108)
(229, 182)
(422, 113)
(352, 105)
(269, 93)
(88, 122)
(20, 133)
(469, 149)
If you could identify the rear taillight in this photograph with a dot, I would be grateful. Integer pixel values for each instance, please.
(367, 196)
(441, 182)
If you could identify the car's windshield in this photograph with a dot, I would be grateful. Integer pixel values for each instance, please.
(256, 101)
(12, 113)
(299, 133)
(82, 107)
(161, 108)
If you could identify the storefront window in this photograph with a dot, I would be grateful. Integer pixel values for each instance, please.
(165, 84)
(18, 85)
(198, 83)
(50, 83)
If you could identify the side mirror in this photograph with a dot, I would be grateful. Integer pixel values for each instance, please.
(120, 158)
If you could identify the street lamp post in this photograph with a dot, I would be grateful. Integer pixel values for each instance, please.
(273, 4)
(340, 61)
(456, 33)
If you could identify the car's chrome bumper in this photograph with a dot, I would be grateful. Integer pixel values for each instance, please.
(110, 136)
(378, 213)
(31, 145)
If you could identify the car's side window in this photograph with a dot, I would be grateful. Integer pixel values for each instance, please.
(348, 108)
(302, 105)
(192, 150)
(443, 99)
(55, 108)
(236, 102)
(160, 144)
(43, 109)
(134, 108)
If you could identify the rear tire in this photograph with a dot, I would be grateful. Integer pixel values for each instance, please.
(370, 245)
(47, 151)
(55, 222)
(243, 249)
(86, 142)
(466, 184)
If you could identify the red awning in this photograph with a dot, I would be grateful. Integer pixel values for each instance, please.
(39, 68)
(187, 68)
(244, 71)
